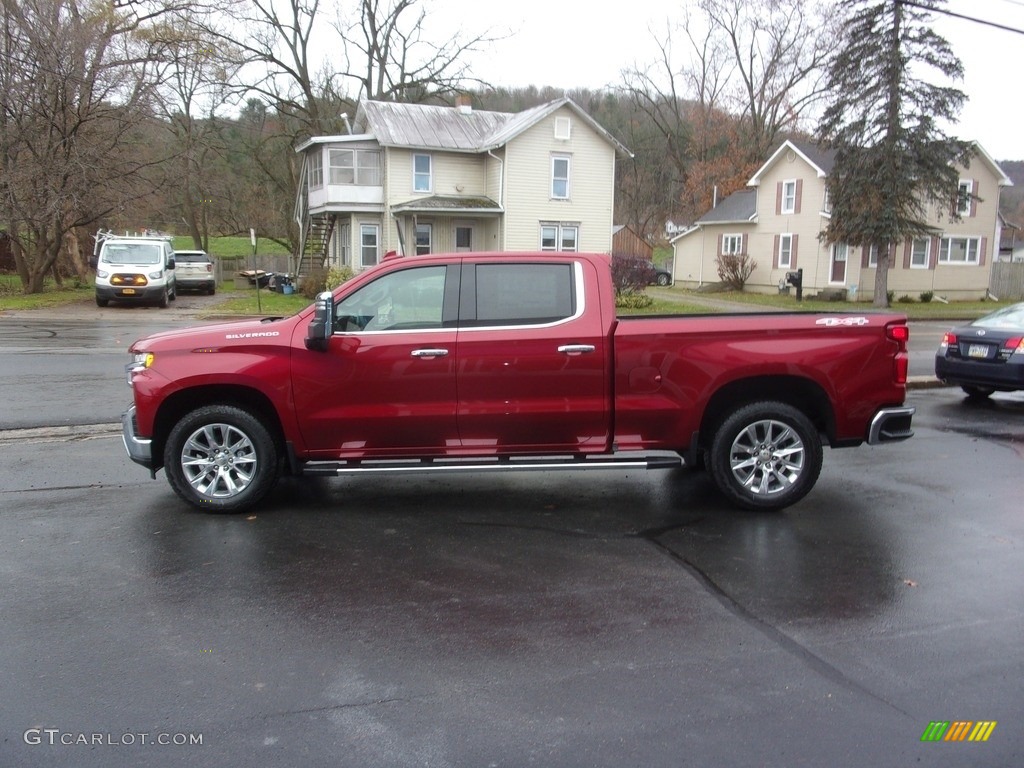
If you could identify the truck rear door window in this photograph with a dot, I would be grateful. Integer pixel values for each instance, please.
(524, 294)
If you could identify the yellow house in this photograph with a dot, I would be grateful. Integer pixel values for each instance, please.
(417, 179)
(777, 221)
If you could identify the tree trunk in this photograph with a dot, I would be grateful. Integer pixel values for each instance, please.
(882, 277)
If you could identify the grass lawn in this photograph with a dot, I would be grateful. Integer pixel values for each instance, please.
(233, 247)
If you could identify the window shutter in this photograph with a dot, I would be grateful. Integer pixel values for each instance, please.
(799, 195)
(981, 254)
(865, 253)
(775, 252)
(974, 200)
(792, 251)
(719, 251)
(933, 253)
(908, 248)
(778, 199)
(743, 245)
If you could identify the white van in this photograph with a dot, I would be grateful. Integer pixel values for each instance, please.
(135, 269)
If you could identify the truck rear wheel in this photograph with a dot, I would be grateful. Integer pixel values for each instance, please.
(221, 458)
(765, 456)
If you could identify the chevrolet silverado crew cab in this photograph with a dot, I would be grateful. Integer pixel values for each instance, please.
(137, 269)
(510, 362)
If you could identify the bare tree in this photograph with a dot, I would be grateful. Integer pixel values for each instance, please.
(73, 115)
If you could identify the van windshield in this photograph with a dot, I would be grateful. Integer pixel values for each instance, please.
(132, 253)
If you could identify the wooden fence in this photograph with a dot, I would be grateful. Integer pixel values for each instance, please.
(1007, 280)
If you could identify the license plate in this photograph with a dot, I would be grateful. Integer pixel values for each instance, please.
(977, 350)
(128, 292)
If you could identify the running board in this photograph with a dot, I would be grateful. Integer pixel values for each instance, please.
(490, 465)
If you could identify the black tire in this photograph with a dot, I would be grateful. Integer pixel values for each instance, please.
(213, 290)
(102, 302)
(164, 300)
(662, 279)
(221, 458)
(765, 456)
(975, 392)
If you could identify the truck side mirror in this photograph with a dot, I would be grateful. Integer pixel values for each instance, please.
(321, 327)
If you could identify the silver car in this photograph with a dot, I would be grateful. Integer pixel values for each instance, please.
(194, 270)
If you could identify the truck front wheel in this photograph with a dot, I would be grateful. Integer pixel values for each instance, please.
(765, 456)
(221, 458)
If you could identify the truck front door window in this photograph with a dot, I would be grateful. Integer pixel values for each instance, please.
(412, 299)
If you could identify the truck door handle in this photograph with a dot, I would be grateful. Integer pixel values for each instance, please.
(576, 349)
(429, 352)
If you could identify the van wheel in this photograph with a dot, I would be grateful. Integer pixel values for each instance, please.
(102, 302)
(765, 456)
(165, 301)
(221, 458)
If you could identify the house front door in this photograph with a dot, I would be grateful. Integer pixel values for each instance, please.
(839, 254)
(463, 238)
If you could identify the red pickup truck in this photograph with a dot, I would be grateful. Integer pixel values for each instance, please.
(510, 362)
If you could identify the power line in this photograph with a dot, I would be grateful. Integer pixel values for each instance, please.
(932, 9)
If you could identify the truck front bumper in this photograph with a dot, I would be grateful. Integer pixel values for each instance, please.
(139, 449)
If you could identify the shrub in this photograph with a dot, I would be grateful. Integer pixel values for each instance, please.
(338, 275)
(631, 274)
(313, 283)
(927, 296)
(735, 269)
(633, 301)
(905, 299)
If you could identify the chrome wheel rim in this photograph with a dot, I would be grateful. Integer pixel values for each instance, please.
(219, 461)
(767, 457)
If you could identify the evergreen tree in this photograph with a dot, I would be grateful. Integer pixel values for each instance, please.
(892, 158)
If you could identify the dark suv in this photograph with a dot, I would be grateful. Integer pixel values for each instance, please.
(194, 269)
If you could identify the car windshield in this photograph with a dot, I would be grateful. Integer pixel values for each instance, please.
(132, 253)
(1008, 317)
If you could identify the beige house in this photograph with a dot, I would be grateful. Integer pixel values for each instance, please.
(777, 221)
(419, 179)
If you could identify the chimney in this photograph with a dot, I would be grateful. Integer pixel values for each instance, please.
(464, 103)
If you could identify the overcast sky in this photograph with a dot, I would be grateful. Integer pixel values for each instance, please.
(578, 43)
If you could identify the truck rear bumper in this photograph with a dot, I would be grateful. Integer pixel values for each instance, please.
(139, 449)
(891, 425)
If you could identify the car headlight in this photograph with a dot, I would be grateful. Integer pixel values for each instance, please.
(156, 275)
(101, 273)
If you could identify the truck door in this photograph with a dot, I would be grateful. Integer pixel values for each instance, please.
(532, 362)
(386, 385)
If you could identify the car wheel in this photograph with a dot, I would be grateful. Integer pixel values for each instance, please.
(765, 456)
(221, 458)
(976, 392)
(662, 279)
(212, 290)
(102, 302)
(165, 300)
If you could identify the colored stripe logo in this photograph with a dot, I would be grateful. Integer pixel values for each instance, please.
(959, 730)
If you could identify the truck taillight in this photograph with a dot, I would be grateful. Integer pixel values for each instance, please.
(901, 367)
(900, 333)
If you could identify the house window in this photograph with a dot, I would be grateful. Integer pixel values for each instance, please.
(919, 253)
(789, 196)
(826, 206)
(422, 173)
(785, 251)
(959, 250)
(873, 255)
(354, 166)
(963, 198)
(316, 169)
(424, 238)
(369, 244)
(559, 237)
(732, 245)
(560, 177)
(563, 128)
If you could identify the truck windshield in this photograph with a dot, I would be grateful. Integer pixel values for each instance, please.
(132, 253)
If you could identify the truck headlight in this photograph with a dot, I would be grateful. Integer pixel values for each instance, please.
(140, 362)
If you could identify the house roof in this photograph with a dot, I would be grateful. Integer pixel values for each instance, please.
(424, 126)
(448, 203)
(821, 160)
(738, 208)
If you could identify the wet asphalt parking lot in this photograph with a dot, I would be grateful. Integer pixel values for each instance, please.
(556, 619)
